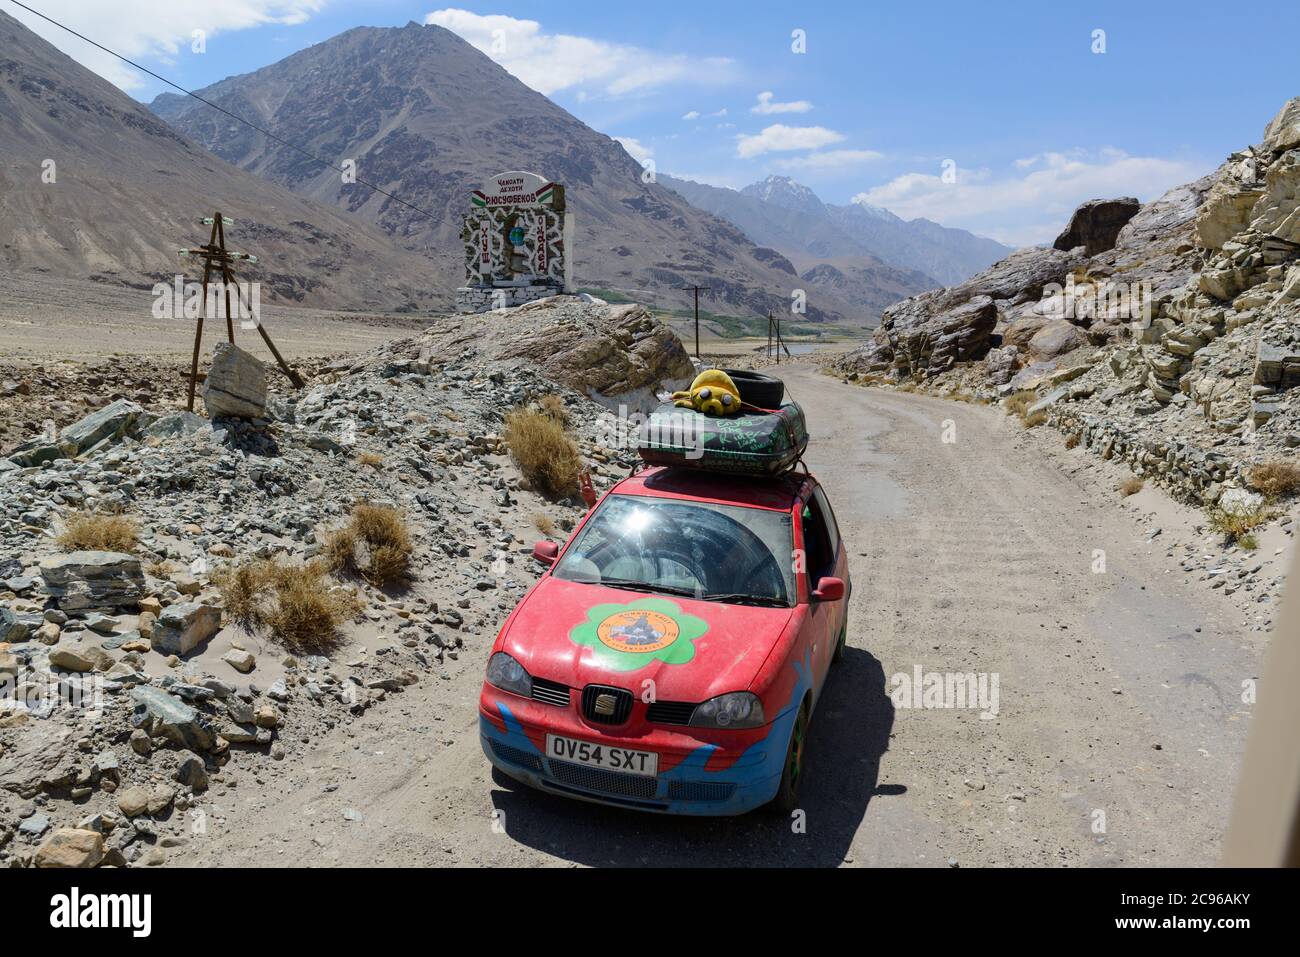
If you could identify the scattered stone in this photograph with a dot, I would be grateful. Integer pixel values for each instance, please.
(90, 580)
(183, 627)
(70, 847)
(241, 661)
(191, 772)
(133, 801)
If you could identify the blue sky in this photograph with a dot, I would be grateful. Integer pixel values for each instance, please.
(1009, 98)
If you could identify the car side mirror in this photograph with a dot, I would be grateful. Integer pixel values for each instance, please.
(829, 589)
(547, 552)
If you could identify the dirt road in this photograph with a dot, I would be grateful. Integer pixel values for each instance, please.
(1116, 740)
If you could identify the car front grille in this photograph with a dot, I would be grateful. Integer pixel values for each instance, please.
(617, 710)
(700, 790)
(550, 692)
(600, 779)
(517, 756)
(670, 712)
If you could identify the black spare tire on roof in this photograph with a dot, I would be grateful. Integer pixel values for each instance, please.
(757, 389)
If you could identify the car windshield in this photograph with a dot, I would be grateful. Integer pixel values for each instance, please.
(721, 553)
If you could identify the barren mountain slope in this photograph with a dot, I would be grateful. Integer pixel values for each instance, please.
(94, 185)
(429, 118)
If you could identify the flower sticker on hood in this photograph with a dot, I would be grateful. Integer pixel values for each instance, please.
(627, 637)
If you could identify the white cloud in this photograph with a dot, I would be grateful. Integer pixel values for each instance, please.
(151, 28)
(765, 105)
(828, 160)
(781, 138)
(692, 115)
(550, 62)
(635, 148)
(1032, 204)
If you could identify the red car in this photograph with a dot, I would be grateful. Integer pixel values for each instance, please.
(671, 657)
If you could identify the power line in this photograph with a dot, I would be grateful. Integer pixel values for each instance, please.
(233, 116)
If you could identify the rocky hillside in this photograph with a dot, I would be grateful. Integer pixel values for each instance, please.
(94, 186)
(429, 118)
(789, 217)
(137, 706)
(1165, 334)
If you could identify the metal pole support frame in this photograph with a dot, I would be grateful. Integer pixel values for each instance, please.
(216, 256)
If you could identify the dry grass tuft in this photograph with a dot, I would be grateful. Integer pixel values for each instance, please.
(1276, 479)
(542, 449)
(296, 604)
(553, 406)
(1020, 402)
(375, 544)
(99, 532)
(544, 524)
(373, 459)
(1072, 440)
(1033, 419)
(1131, 486)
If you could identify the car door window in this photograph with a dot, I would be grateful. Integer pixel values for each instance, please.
(817, 544)
(828, 518)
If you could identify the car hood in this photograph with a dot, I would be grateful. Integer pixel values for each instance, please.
(578, 633)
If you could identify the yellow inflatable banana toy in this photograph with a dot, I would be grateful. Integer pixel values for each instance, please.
(712, 393)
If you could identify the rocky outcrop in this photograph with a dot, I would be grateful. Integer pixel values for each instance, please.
(1177, 348)
(99, 429)
(614, 354)
(930, 333)
(236, 384)
(1096, 225)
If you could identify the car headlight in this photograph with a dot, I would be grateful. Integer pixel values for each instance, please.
(739, 709)
(509, 675)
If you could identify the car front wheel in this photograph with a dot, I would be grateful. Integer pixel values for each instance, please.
(787, 793)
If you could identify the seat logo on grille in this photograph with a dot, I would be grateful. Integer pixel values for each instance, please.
(605, 704)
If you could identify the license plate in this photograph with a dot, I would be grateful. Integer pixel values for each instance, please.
(602, 756)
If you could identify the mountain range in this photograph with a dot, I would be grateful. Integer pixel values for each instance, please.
(428, 117)
(789, 217)
(94, 186)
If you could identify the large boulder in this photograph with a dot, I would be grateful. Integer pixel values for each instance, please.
(631, 351)
(83, 580)
(1021, 277)
(1056, 338)
(1096, 224)
(236, 384)
(1283, 131)
(184, 626)
(925, 344)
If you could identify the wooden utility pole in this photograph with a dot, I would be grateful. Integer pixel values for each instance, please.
(215, 256)
(697, 290)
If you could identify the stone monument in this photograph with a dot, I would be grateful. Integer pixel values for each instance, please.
(517, 240)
